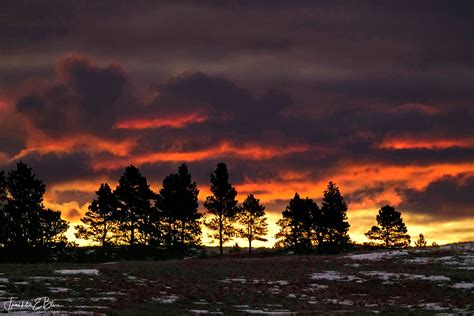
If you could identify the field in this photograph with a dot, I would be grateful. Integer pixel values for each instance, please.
(434, 280)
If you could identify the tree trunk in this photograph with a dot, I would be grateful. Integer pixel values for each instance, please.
(182, 232)
(220, 236)
(104, 237)
(169, 236)
(132, 235)
(250, 234)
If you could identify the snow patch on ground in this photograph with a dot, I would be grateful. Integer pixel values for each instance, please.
(168, 299)
(265, 312)
(58, 289)
(113, 293)
(433, 306)
(420, 260)
(90, 307)
(279, 282)
(47, 278)
(96, 299)
(315, 286)
(375, 256)
(464, 285)
(390, 276)
(203, 311)
(335, 301)
(78, 271)
(467, 246)
(463, 261)
(335, 276)
(466, 268)
(230, 280)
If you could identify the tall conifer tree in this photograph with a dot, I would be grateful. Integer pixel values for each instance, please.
(30, 225)
(296, 226)
(178, 203)
(3, 215)
(391, 229)
(222, 205)
(99, 222)
(334, 228)
(135, 212)
(252, 218)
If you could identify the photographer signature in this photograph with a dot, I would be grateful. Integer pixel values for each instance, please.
(38, 304)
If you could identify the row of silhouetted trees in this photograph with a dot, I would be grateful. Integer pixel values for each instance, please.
(134, 216)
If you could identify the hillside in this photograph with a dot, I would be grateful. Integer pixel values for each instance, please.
(380, 281)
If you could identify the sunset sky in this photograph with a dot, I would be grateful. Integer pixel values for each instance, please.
(376, 96)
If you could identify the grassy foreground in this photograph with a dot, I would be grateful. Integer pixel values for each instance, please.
(412, 281)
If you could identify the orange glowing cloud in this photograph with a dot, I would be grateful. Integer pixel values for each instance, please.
(419, 107)
(413, 143)
(350, 178)
(175, 121)
(76, 185)
(43, 144)
(252, 152)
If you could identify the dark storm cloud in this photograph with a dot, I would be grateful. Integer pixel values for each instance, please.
(12, 134)
(449, 197)
(232, 113)
(364, 193)
(224, 95)
(53, 168)
(87, 98)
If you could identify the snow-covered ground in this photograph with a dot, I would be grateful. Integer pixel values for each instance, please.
(437, 279)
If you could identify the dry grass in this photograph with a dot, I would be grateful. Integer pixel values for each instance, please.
(414, 282)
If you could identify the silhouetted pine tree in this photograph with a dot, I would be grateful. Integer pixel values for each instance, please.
(391, 229)
(223, 205)
(30, 226)
(3, 202)
(178, 203)
(315, 223)
(3, 189)
(135, 212)
(296, 226)
(252, 218)
(333, 230)
(421, 242)
(53, 229)
(99, 222)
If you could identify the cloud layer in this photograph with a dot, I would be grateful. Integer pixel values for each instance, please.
(376, 96)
